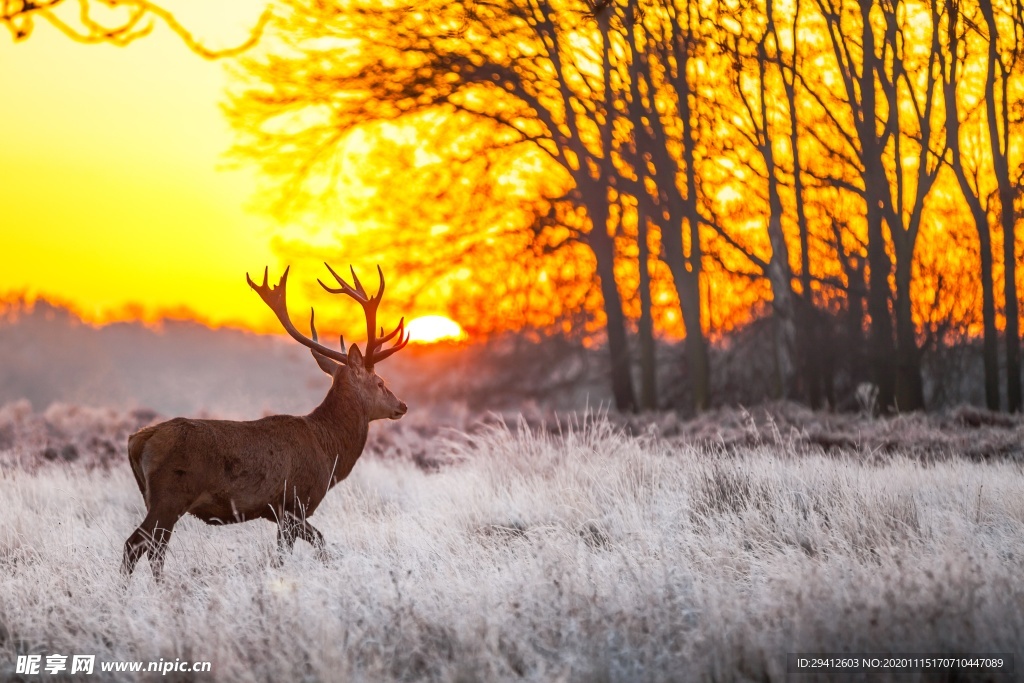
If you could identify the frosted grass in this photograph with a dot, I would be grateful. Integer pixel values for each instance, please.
(579, 555)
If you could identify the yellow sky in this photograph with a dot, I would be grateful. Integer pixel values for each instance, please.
(112, 186)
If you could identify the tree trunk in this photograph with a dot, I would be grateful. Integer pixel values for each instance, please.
(988, 313)
(990, 346)
(998, 121)
(697, 362)
(990, 341)
(688, 277)
(811, 364)
(881, 351)
(603, 243)
(648, 366)
(687, 284)
(779, 273)
(909, 388)
(1013, 381)
(857, 293)
(603, 247)
(780, 277)
(811, 355)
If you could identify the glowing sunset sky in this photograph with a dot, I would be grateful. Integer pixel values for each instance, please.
(110, 185)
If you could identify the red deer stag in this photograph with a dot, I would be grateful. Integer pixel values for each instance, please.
(278, 468)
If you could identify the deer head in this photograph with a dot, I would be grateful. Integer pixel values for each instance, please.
(354, 368)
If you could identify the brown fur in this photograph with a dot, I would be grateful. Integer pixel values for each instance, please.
(277, 468)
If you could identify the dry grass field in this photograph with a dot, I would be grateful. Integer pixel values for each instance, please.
(580, 549)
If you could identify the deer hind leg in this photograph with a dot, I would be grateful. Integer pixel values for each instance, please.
(133, 549)
(151, 537)
(158, 548)
(291, 528)
(311, 535)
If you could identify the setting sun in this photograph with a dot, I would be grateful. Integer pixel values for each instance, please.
(428, 329)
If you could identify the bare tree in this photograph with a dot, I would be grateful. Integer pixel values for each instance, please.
(517, 82)
(954, 59)
(661, 41)
(810, 349)
(1004, 31)
(538, 132)
(119, 22)
(755, 51)
(898, 144)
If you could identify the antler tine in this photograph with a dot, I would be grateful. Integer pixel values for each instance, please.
(377, 357)
(374, 341)
(265, 291)
(359, 285)
(276, 299)
(356, 293)
(369, 304)
(384, 338)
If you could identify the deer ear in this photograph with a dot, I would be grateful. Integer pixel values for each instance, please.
(326, 364)
(355, 358)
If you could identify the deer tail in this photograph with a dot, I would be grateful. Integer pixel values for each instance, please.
(136, 446)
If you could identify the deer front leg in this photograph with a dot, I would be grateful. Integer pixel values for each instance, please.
(287, 532)
(151, 537)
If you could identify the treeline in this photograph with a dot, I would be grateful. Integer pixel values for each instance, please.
(852, 168)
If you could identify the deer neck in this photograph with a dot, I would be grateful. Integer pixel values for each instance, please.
(341, 424)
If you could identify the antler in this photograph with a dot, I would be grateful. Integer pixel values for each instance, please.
(374, 343)
(274, 297)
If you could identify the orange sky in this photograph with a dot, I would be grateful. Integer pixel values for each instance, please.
(112, 184)
(113, 189)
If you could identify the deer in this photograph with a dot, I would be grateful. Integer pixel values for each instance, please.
(277, 468)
